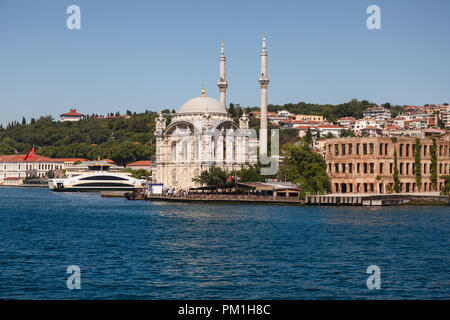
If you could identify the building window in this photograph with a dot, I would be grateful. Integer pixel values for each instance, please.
(358, 167)
(401, 168)
(329, 149)
(343, 149)
(371, 147)
(424, 150)
(365, 167)
(381, 168)
(350, 148)
(381, 149)
(407, 169)
(385, 149)
(343, 168)
(336, 168)
(401, 150)
(350, 167)
(357, 148)
(424, 168)
(372, 168)
(364, 148)
(336, 149)
(407, 150)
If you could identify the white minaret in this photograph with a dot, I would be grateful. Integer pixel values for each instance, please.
(263, 81)
(223, 83)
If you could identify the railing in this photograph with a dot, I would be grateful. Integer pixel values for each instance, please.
(225, 197)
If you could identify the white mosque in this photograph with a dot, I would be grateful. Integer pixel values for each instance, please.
(202, 134)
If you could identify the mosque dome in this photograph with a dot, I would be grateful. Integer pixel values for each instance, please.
(202, 104)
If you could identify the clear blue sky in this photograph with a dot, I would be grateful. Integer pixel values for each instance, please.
(141, 55)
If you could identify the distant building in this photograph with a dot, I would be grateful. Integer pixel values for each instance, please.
(307, 117)
(445, 117)
(417, 123)
(72, 115)
(361, 124)
(143, 164)
(372, 131)
(13, 169)
(394, 131)
(366, 165)
(326, 129)
(377, 113)
(284, 113)
(346, 122)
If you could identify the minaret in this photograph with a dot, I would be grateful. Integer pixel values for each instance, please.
(263, 81)
(222, 83)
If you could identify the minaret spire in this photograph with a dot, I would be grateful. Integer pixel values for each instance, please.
(222, 83)
(263, 81)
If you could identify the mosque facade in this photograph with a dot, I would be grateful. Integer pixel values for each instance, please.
(202, 134)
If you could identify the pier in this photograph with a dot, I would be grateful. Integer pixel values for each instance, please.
(377, 199)
(225, 198)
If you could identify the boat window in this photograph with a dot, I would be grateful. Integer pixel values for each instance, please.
(103, 184)
(105, 178)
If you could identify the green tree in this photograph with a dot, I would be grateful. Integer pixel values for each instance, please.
(6, 149)
(250, 174)
(347, 133)
(138, 173)
(434, 164)
(446, 189)
(215, 176)
(308, 138)
(304, 166)
(397, 186)
(418, 165)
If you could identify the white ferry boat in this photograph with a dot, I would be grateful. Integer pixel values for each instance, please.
(97, 179)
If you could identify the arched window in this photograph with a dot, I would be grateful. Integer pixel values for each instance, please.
(185, 149)
(174, 151)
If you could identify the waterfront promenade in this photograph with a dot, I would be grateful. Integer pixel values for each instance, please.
(225, 198)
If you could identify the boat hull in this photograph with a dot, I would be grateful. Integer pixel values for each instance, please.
(93, 189)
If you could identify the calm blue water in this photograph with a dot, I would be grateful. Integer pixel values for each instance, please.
(144, 250)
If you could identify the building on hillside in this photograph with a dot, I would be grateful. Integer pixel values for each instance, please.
(433, 132)
(377, 113)
(432, 120)
(418, 123)
(372, 131)
(309, 117)
(394, 131)
(366, 165)
(327, 129)
(445, 117)
(142, 164)
(361, 124)
(346, 122)
(72, 115)
(284, 114)
(15, 168)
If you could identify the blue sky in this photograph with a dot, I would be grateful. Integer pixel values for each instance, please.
(141, 55)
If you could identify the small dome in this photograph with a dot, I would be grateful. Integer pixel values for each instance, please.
(202, 104)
